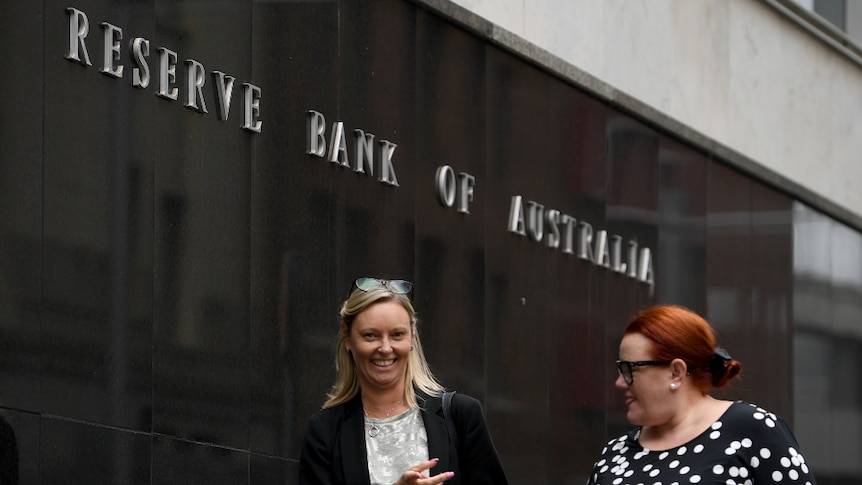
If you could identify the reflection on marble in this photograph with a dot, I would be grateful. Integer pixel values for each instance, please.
(828, 343)
(738, 72)
(170, 283)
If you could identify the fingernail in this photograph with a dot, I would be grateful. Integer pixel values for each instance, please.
(450, 475)
(435, 459)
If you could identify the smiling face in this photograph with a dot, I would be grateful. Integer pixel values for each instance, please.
(379, 340)
(648, 397)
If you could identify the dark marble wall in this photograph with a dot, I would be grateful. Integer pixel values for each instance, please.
(827, 348)
(169, 282)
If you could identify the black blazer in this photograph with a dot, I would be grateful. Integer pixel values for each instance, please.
(334, 450)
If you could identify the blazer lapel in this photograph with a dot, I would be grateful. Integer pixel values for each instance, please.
(354, 457)
(438, 436)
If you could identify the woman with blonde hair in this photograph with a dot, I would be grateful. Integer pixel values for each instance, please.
(385, 420)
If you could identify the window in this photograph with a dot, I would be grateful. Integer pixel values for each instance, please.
(836, 22)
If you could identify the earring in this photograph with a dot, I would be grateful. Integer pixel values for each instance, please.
(673, 386)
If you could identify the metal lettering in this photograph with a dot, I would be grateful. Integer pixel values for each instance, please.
(448, 191)
(223, 89)
(516, 216)
(338, 145)
(535, 220)
(167, 73)
(364, 151)
(316, 124)
(195, 80)
(645, 274)
(631, 268)
(465, 192)
(602, 257)
(364, 145)
(444, 181)
(387, 171)
(569, 223)
(564, 231)
(585, 240)
(141, 72)
(552, 217)
(616, 250)
(251, 113)
(79, 26)
(111, 37)
(139, 50)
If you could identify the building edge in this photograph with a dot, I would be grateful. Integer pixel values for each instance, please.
(570, 73)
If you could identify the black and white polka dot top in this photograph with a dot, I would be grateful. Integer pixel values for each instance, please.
(746, 446)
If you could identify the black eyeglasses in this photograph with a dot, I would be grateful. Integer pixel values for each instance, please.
(401, 287)
(625, 367)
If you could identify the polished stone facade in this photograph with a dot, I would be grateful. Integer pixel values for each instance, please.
(169, 282)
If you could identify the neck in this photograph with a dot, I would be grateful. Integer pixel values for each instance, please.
(379, 402)
(692, 418)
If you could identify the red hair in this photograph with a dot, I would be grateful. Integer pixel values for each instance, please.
(679, 333)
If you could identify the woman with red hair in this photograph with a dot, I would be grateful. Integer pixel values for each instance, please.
(668, 364)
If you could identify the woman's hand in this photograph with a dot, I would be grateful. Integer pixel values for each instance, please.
(414, 476)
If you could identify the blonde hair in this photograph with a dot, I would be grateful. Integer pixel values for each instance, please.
(418, 373)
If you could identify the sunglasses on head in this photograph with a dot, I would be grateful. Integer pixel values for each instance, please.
(401, 287)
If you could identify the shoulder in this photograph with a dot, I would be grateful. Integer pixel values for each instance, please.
(465, 401)
(331, 418)
(328, 426)
(628, 441)
(756, 422)
(466, 406)
(459, 402)
(746, 411)
(621, 446)
(768, 440)
(330, 413)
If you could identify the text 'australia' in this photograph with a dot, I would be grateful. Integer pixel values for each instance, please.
(562, 231)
